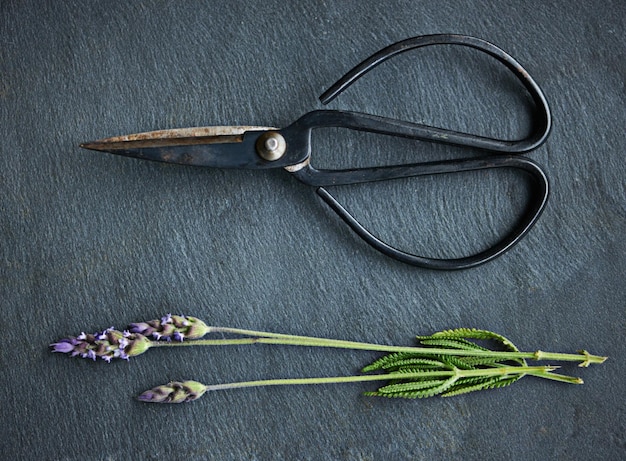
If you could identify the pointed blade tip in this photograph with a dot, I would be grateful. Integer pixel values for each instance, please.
(90, 145)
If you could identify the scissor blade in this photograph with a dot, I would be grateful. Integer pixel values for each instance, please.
(218, 146)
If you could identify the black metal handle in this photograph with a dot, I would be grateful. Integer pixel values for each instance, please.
(542, 119)
(526, 222)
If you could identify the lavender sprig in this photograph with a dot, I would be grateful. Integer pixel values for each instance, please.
(107, 345)
(111, 343)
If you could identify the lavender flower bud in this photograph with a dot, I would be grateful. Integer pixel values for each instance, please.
(177, 327)
(174, 392)
(107, 345)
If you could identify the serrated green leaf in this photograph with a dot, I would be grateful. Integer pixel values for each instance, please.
(492, 362)
(381, 363)
(419, 390)
(452, 344)
(416, 363)
(473, 333)
(406, 370)
(410, 386)
(492, 383)
(454, 361)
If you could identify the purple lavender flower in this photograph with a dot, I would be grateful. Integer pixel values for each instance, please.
(177, 327)
(174, 392)
(107, 345)
(65, 346)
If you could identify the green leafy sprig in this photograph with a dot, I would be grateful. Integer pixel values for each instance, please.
(447, 363)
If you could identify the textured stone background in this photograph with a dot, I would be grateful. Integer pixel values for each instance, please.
(91, 240)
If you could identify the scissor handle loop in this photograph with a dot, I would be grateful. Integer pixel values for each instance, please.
(526, 222)
(542, 120)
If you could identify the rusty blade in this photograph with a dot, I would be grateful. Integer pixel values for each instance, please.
(174, 137)
(214, 146)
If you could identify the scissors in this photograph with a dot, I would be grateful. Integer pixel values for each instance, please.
(289, 148)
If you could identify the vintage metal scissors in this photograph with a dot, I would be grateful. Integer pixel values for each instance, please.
(290, 148)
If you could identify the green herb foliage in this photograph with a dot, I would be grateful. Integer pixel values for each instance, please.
(420, 366)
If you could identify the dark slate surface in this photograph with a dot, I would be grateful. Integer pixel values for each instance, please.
(90, 240)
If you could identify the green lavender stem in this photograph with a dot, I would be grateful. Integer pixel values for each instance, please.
(542, 371)
(261, 337)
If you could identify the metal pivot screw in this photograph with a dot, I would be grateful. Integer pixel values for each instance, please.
(271, 146)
